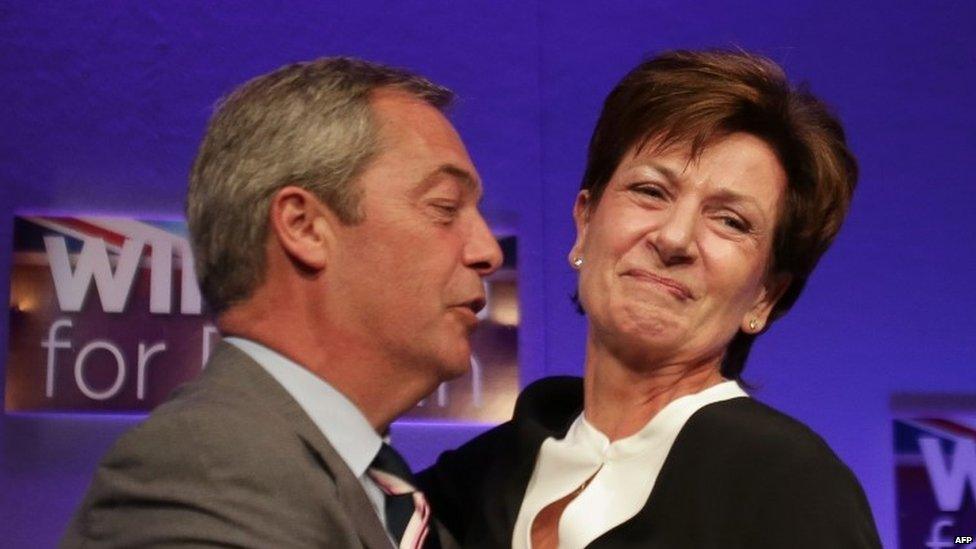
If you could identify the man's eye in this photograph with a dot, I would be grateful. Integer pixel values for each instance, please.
(446, 208)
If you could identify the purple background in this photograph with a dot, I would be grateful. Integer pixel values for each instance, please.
(104, 103)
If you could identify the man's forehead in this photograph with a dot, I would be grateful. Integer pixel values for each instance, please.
(397, 106)
(404, 118)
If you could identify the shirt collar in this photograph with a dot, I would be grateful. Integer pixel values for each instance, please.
(342, 423)
(664, 425)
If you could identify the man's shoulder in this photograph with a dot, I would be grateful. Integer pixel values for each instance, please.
(207, 420)
(221, 421)
(223, 463)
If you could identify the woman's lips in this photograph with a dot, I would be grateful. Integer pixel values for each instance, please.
(676, 288)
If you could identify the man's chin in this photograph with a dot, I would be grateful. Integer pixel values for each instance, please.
(456, 367)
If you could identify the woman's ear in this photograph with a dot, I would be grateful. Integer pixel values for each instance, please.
(303, 227)
(581, 217)
(772, 290)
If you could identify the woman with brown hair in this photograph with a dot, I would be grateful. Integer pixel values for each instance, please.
(712, 189)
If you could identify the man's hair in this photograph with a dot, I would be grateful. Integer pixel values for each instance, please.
(698, 97)
(306, 124)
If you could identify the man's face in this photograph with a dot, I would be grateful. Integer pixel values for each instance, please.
(406, 280)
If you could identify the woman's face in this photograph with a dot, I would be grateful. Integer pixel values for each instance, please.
(675, 254)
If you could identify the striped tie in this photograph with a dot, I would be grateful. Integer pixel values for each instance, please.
(407, 511)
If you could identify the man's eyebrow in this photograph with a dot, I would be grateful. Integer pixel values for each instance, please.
(463, 176)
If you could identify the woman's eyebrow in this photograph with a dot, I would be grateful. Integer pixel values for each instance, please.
(727, 195)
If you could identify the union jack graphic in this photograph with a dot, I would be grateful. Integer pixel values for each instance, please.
(29, 233)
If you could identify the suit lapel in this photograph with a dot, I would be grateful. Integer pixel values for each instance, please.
(230, 366)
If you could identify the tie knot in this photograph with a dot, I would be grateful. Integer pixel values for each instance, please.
(391, 472)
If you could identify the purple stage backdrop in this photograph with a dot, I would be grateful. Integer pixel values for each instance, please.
(104, 104)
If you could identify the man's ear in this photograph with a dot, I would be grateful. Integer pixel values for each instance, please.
(303, 226)
(581, 217)
(772, 290)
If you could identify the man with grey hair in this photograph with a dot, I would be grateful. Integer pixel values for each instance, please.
(333, 213)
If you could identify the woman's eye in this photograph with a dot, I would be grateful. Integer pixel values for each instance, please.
(652, 191)
(735, 223)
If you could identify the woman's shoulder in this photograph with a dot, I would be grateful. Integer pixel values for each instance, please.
(551, 402)
(768, 468)
(749, 417)
(758, 439)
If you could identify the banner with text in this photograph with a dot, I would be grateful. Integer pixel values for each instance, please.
(106, 316)
(935, 474)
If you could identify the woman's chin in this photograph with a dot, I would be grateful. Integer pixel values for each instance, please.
(649, 323)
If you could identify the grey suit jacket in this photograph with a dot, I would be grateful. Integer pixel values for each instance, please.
(230, 460)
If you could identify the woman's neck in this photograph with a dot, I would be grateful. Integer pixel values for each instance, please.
(621, 398)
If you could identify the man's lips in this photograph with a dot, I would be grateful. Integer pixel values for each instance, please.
(475, 304)
(471, 307)
(676, 288)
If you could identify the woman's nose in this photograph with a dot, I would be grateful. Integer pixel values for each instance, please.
(674, 238)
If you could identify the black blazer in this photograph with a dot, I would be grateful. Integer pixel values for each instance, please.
(739, 475)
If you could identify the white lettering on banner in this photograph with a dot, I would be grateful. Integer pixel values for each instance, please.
(113, 288)
(52, 345)
(80, 366)
(161, 278)
(936, 541)
(144, 356)
(476, 381)
(208, 333)
(950, 474)
(191, 301)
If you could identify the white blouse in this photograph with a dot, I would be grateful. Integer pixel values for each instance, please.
(628, 469)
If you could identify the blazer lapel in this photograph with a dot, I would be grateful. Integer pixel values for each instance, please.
(230, 365)
(529, 439)
(546, 410)
(350, 490)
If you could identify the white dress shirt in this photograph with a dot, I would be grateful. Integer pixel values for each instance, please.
(625, 471)
(345, 427)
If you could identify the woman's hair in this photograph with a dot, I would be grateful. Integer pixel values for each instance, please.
(696, 97)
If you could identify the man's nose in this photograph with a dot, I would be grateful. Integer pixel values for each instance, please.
(482, 252)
